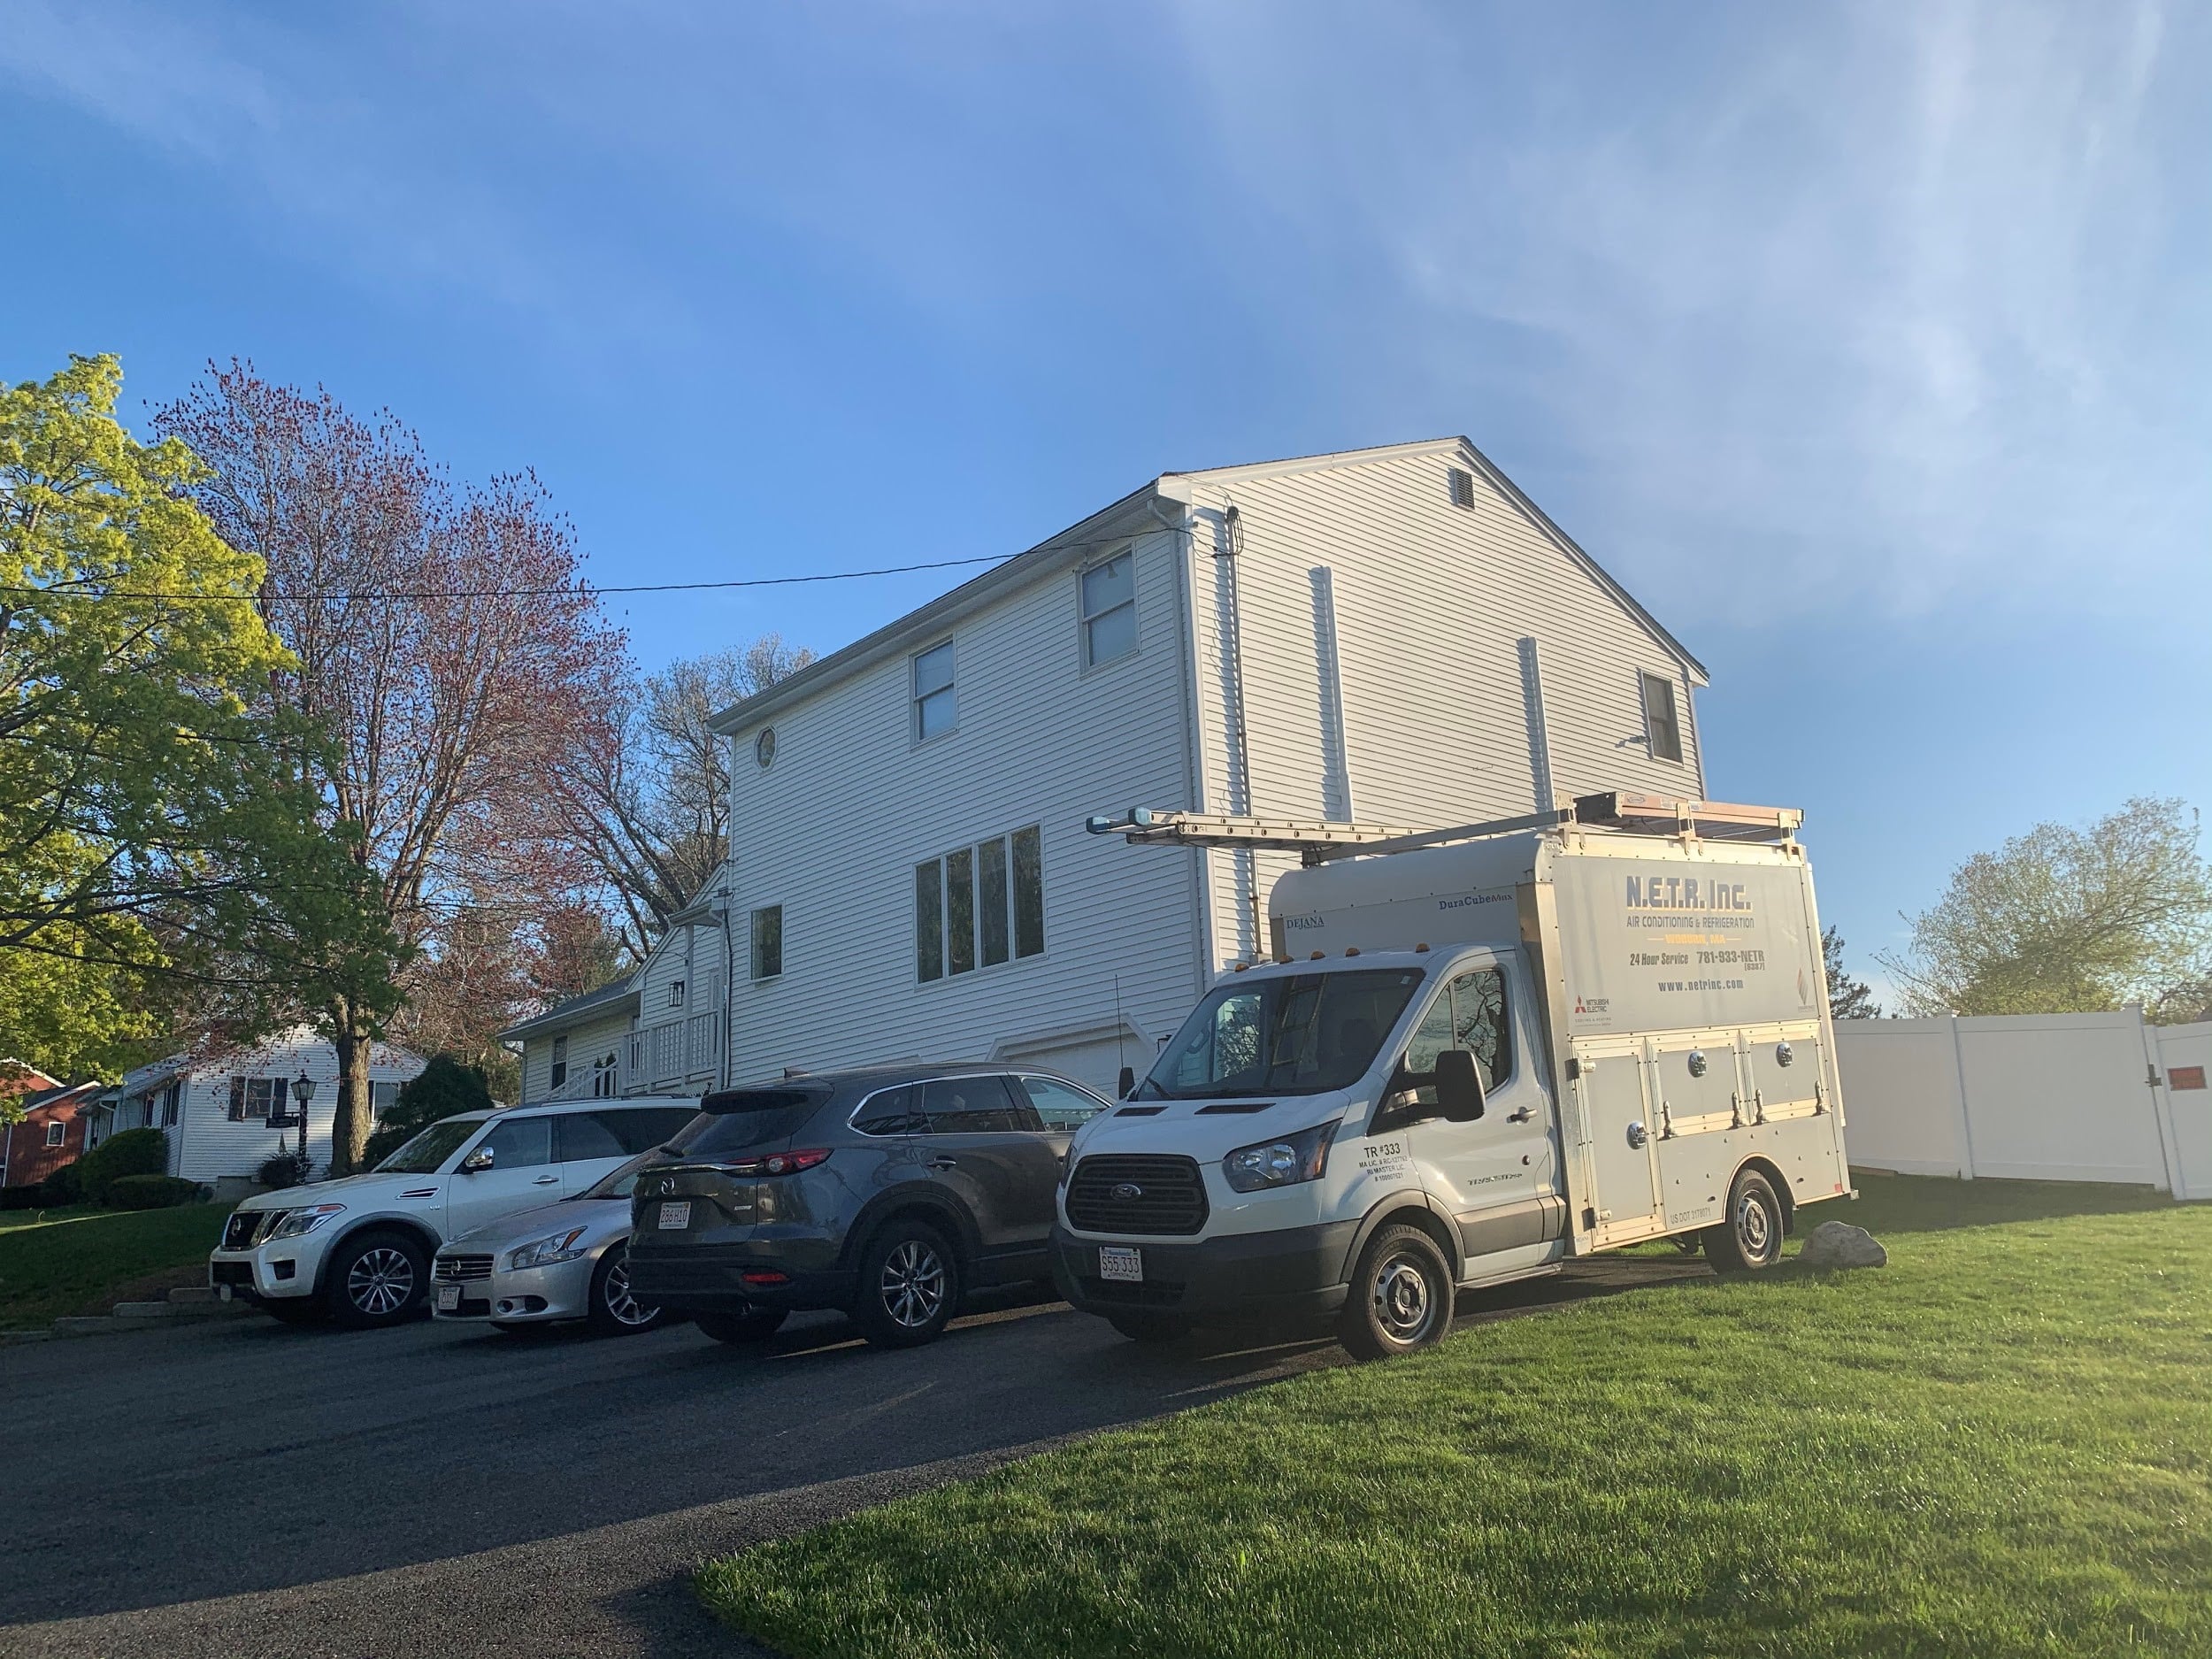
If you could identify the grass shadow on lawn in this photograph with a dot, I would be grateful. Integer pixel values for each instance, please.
(1926, 1203)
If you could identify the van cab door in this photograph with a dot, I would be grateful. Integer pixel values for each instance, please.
(1497, 1176)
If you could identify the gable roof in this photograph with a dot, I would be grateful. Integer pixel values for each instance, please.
(607, 999)
(1107, 524)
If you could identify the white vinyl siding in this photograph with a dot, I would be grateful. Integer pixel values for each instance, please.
(837, 828)
(1425, 603)
(587, 1044)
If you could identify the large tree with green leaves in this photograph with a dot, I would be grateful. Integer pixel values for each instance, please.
(2064, 920)
(157, 836)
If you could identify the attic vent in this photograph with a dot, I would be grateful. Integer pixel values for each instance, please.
(1463, 487)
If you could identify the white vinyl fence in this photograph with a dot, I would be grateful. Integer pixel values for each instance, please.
(2054, 1097)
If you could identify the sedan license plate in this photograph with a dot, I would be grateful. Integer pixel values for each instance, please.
(675, 1218)
(449, 1298)
(1121, 1263)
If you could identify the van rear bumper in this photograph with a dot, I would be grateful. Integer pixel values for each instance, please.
(1288, 1272)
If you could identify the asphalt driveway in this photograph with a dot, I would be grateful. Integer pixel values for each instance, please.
(241, 1488)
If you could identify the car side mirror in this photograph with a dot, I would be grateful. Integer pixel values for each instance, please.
(1458, 1086)
(1128, 1081)
(479, 1159)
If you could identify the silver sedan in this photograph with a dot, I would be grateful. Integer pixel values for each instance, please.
(564, 1262)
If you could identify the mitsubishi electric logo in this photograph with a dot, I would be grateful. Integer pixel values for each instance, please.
(1686, 893)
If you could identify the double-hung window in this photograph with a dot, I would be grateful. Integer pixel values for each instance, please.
(256, 1097)
(55, 1130)
(936, 710)
(1109, 609)
(1662, 730)
(767, 938)
(560, 1062)
(980, 906)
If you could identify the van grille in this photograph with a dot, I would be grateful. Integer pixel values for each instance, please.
(1169, 1196)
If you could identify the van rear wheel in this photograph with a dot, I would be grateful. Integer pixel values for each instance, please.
(1751, 1237)
(1402, 1296)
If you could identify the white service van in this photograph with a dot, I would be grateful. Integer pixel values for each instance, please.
(1476, 1053)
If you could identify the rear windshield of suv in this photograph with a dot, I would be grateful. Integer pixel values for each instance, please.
(736, 1119)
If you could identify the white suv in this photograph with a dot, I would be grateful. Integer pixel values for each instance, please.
(358, 1250)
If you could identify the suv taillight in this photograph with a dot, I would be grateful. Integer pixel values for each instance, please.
(778, 1162)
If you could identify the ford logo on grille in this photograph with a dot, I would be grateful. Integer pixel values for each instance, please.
(1127, 1191)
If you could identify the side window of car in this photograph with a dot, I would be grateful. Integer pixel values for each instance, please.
(1469, 1013)
(581, 1136)
(891, 1111)
(519, 1144)
(1061, 1106)
(971, 1106)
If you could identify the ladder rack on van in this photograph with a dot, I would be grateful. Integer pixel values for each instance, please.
(1316, 841)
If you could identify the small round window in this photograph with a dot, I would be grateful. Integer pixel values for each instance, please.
(764, 746)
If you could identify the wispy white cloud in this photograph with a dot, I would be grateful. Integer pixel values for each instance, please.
(1880, 302)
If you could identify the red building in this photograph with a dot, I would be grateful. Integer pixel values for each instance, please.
(50, 1134)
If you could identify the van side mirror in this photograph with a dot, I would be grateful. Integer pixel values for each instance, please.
(1128, 1081)
(479, 1159)
(1458, 1086)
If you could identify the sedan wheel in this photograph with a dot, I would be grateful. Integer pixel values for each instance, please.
(613, 1309)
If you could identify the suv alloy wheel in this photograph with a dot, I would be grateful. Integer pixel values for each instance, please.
(614, 1310)
(377, 1278)
(910, 1285)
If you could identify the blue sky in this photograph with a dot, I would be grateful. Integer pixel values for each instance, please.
(1871, 346)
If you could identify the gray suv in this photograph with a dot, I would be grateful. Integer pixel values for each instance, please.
(888, 1193)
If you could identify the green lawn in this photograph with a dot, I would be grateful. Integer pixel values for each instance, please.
(54, 1261)
(2002, 1444)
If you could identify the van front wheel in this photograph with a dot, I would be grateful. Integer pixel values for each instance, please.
(1751, 1237)
(1402, 1296)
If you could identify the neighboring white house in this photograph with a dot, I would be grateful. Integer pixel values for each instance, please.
(216, 1108)
(657, 1030)
(1394, 636)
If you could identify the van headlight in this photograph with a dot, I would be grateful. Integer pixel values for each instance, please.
(1284, 1163)
(559, 1247)
(298, 1222)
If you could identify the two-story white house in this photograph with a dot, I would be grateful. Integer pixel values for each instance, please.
(1395, 635)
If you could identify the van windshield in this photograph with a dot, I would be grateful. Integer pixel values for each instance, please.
(1296, 1034)
(434, 1146)
(737, 1119)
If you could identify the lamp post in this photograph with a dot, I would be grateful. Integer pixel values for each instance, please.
(303, 1091)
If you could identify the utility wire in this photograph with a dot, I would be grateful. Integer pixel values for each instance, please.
(578, 589)
(575, 589)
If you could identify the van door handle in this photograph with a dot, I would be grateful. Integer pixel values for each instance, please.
(545, 1180)
(1520, 1117)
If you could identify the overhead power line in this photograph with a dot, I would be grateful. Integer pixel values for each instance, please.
(348, 597)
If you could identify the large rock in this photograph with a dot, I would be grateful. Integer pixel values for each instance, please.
(1839, 1244)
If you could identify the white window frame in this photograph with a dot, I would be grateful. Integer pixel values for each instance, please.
(677, 990)
(1645, 680)
(917, 699)
(556, 1068)
(1085, 617)
(56, 1132)
(752, 943)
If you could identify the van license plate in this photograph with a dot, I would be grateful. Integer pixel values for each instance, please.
(449, 1298)
(1121, 1263)
(675, 1218)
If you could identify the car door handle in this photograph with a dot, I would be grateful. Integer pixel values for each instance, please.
(1520, 1117)
(944, 1163)
(545, 1180)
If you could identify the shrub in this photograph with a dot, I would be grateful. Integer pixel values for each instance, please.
(151, 1192)
(133, 1152)
(64, 1185)
(285, 1169)
(443, 1088)
(30, 1197)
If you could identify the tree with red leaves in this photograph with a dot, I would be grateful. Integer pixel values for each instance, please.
(445, 640)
